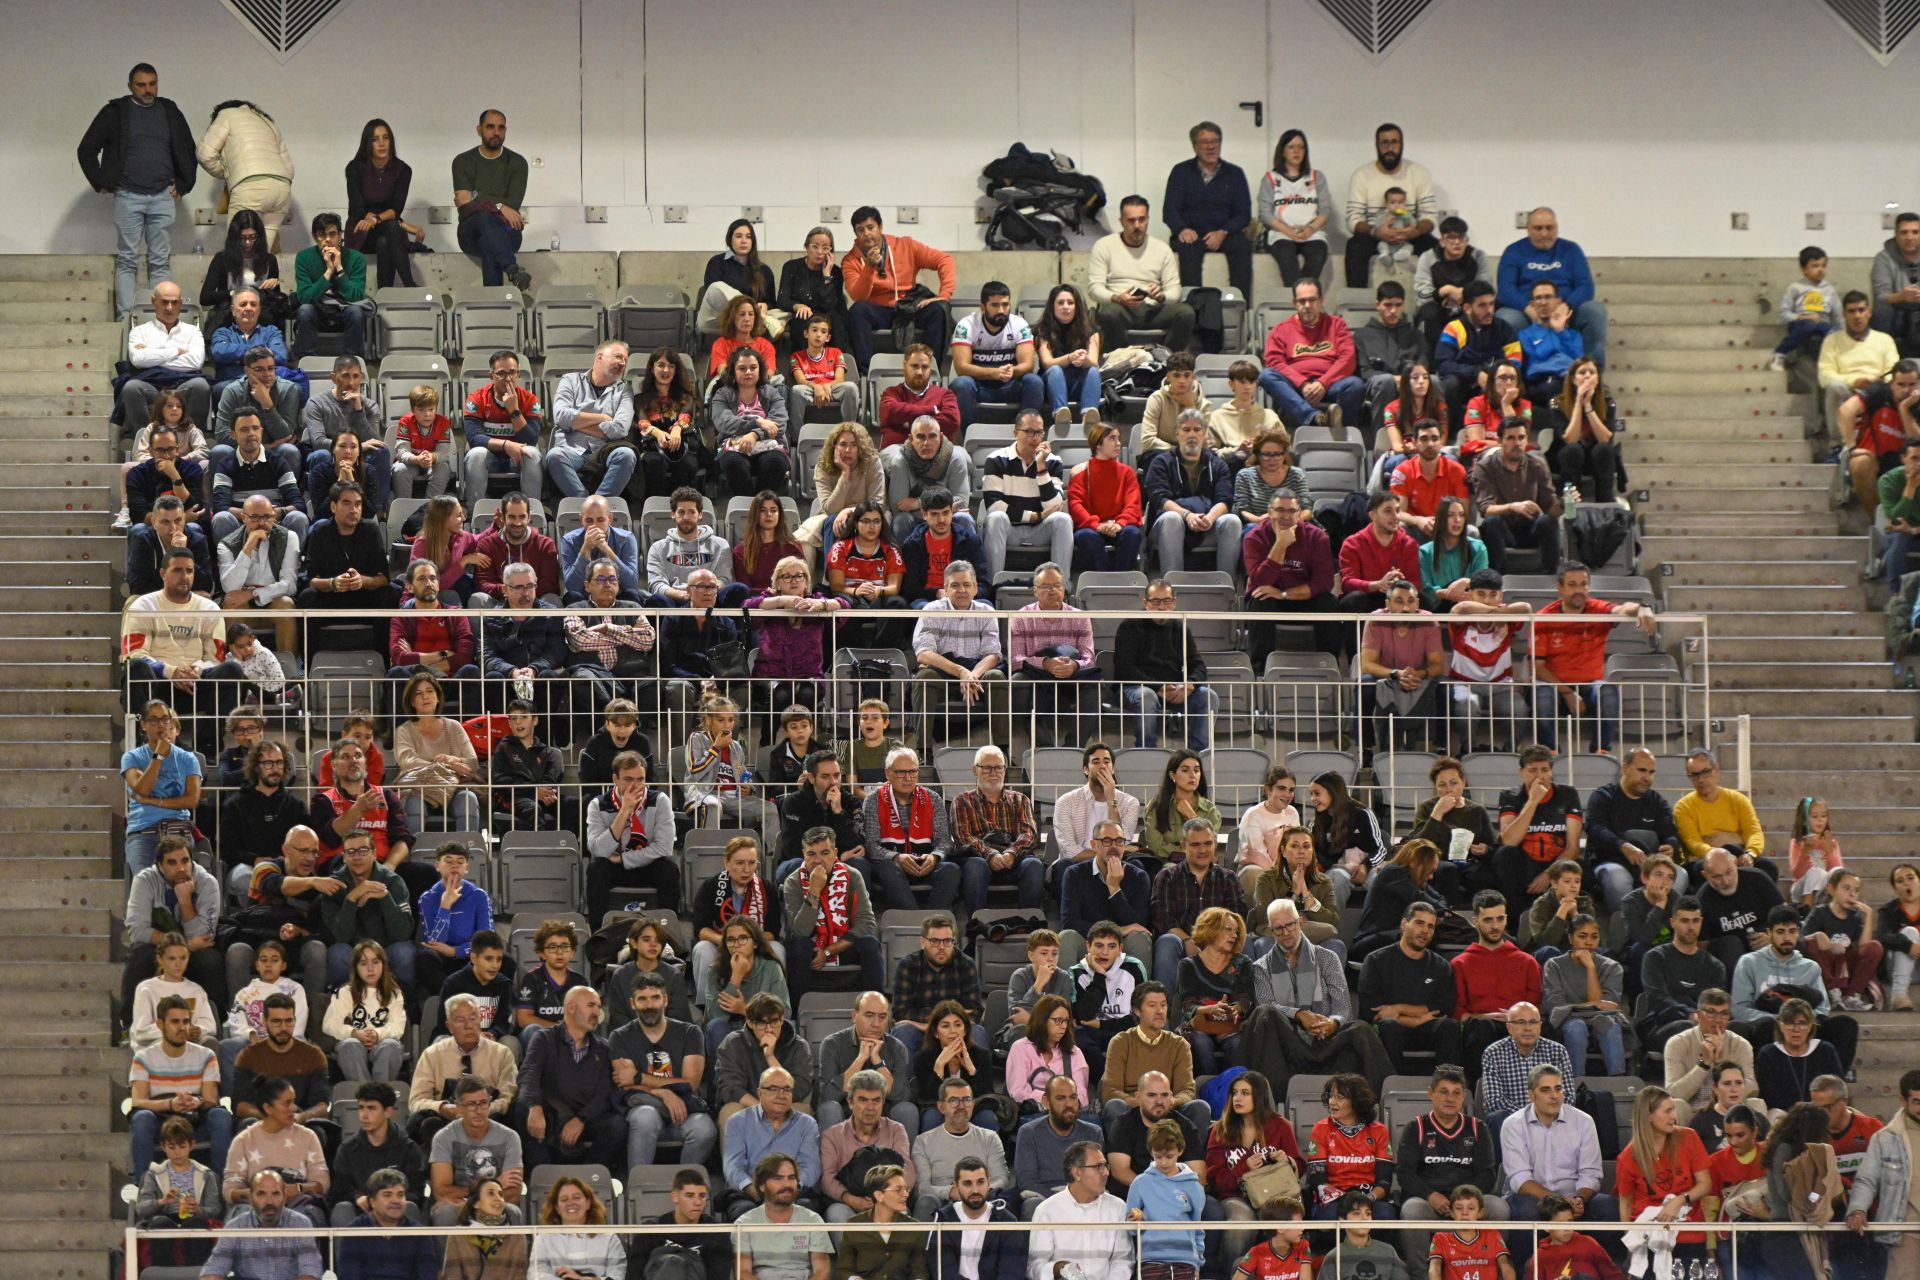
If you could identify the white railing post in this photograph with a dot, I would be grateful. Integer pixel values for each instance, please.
(1743, 753)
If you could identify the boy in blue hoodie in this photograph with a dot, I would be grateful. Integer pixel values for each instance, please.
(1169, 1192)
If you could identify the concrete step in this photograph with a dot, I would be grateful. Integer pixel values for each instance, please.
(62, 895)
(59, 867)
(94, 516)
(73, 1250)
(1630, 339)
(1798, 474)
(57, 1121)
(94, 649)
(93, 311)
(1624, 360)
(54, 362)
(1761, 573)
(57, 599)
(1630, 383)
(1699, 293)
(66, 475)
(1699, 314)
(105, 1063)
(1810, 649)
(47, 404)
(97, 379)
(1682, 552)
(95, 817)
(1874, 854)
(77, 702)
(98, 338)
(63, 426)
(1890, 786)
(1738, 429)
(72, 1175)
(1796, 700)
(105, 548)
(1824, 729)
(1850, 597)
(1683, 406)
(62, 451)
(56, 266)
(1695, 522)
(76, 290)
(1781, 449)
(1730, 621)
(1775, 675)
(39, 784)
(1670, 499)
(61, 844)
(74, 729)
(63, 573)
(1744, 272)
(77, 937)
(1864, 755)
(95, 1204)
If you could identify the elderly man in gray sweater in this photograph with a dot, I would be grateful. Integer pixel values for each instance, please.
(1306, 1022)
(346, 409)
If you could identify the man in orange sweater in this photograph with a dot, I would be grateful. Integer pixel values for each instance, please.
(879, 271)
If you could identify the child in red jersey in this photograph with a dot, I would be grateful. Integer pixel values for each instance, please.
(1351, 1149)
(1286, 1256)
(1465, 1253)
(1567, 1254)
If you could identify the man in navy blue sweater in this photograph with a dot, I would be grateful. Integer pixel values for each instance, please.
(1207, 210)
(1541, 255)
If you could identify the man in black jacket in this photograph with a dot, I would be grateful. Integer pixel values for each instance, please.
(256, 820)
(148, 545)
(714, 1249)
(346, 567)
(1159, 666)
(1383, 347)
(378, 1145)
(821, 799)
(525, 656)
(140, 150)
(1003, 1254)
(526, 775)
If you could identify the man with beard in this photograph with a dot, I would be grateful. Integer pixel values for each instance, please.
(373, 906)
(1189, 501)
(281, 1056)
(806, 1253)
(174, 896)
(1425, 478)
(615, 651)
(926, 464)
(1367, 204)
(1490, 977)
(981, 1255)
(944, 536)
(1133, 281)
(879, 272)
(822, 799)
(1514, 501)
(1306, 986)
(1160, 669)
(593, 426)
(828, 916)
(917, 395)
(1406, 992)
(630, 832)
(172, 640)
(139, 149)
(255, 820)
(347, 564)
(993, 357)
(175, 1077)
(490, 189)
(352, 803)
(658, 1064)
(294, 1257)
(1043, 1141)
(512, 540)
(283, 897)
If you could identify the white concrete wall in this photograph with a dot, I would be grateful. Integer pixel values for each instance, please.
(1646, 123)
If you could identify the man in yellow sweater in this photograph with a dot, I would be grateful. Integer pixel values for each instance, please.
(1144, 1047)
(1851, 360)
(1716, 817)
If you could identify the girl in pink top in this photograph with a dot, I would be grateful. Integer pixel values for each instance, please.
(445, 542)
(1814, 853)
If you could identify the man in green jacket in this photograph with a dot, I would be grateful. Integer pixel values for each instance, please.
(330, 284)
(1900, 499)
(373, 906)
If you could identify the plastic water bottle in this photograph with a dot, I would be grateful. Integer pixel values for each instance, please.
(1570, 501)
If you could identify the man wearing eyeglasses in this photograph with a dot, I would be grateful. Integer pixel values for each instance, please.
(474, 1150)
(1026, 490)
(771, 1127)
(1158, 662)
(906, 837)
(935, 973)
(994, 836)
(502, 427)
(1051, 650)
(1307, 985)
(1289, 563)
(1063, 1246)
(1715, 817)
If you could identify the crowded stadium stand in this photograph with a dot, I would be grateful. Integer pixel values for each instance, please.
(499, 742)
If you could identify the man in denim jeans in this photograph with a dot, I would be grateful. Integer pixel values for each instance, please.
(140, 148)
(1159, 666)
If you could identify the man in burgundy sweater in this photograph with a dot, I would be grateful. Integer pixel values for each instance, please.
(1289, 563)
(513, 538)
(1490, 977)
(1311, 363)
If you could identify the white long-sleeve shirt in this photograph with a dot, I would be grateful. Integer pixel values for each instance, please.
(147, 997)
(180, 349)
(257, 573)
(248, 1016)
(1116, 268)
(1104, 1254)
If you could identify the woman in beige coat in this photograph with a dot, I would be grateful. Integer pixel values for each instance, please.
(243, 145)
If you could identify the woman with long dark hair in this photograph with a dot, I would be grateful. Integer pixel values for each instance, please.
(1420, 398)
(377, 184)
(767, 539)
(1295, 206)
(1046, 1051)
(1069, 350)
(664, 406)
(735, 272)
(1583, 453)
(1251, 1135)
(1449, 561)
(1181, 798)
(1346, 835)
(750, 421)
(243, 260)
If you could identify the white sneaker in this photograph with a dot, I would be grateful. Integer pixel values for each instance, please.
(122, 520)
(1778, 364)
(1855, 1004)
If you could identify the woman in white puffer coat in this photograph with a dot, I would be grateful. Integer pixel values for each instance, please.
(243, 145)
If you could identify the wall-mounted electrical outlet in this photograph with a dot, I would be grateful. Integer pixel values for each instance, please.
(982, 214)
(596, 213)
(829, 213)
(1816, 222)
(440, 213)
(753, 213)
(675, 213)
(907, 215)
(1886, 219)
(1739, 222)
(1520, 220)
(206, 217)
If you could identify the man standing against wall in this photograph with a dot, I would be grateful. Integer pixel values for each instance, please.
(140, 149)
(489, 185)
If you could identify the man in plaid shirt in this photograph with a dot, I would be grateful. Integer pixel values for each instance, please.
(1181, 892)
(292, 1256)
(1507, 1063)
(938, 971)
(994, 838)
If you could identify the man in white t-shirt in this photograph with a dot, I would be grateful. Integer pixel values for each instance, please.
(1480, 673)
(173, 641)
(993, 357)
(1367, 213)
